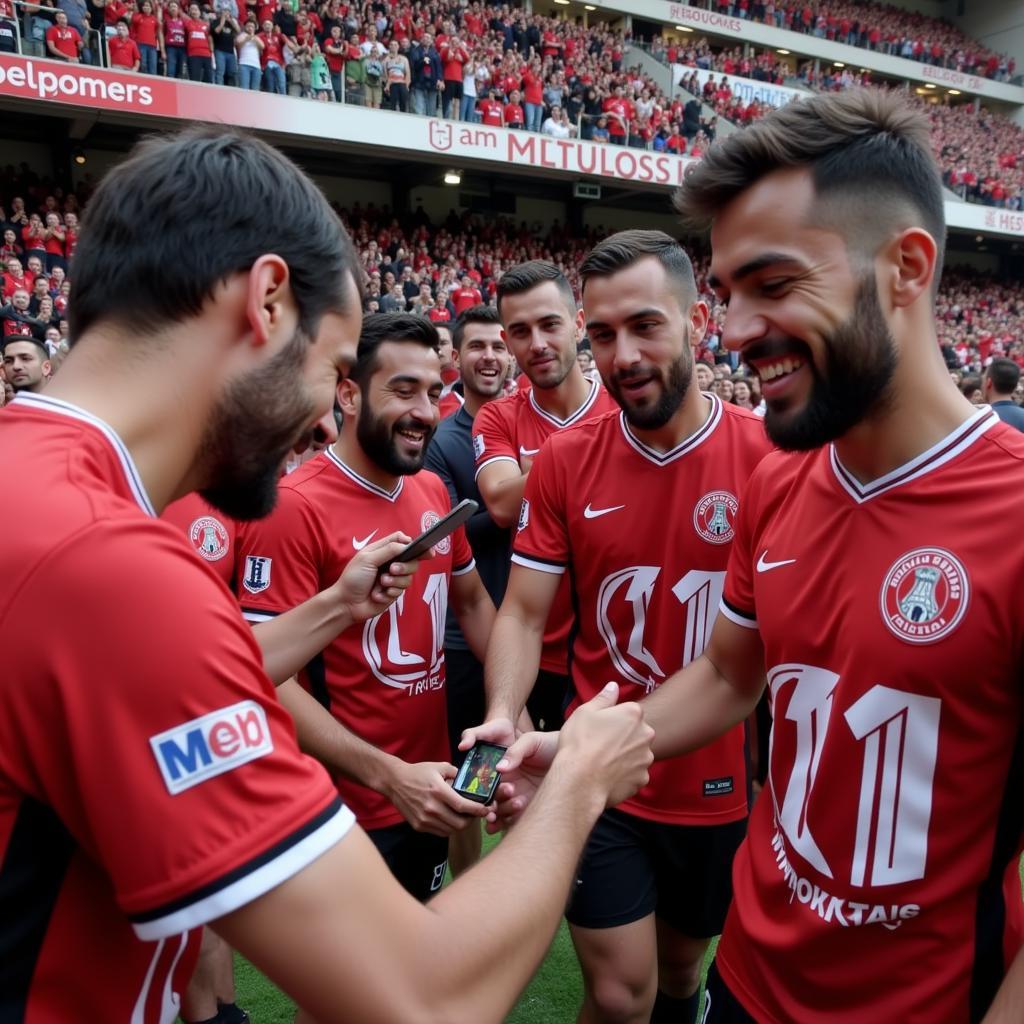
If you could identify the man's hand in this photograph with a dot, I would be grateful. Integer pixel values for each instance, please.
(364, 589)
(611, 740)
(425, 798)
(495, 730)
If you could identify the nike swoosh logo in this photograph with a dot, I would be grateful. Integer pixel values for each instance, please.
(593, 513)
(360, 544)
(763, 566)
(525, 453)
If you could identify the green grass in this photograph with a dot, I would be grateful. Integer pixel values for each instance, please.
(552, 997)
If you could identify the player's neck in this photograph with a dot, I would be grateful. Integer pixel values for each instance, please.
(926, 408)
(565, 399)
(155, 405)
(688, 419)
(348, 449)
(473, 402)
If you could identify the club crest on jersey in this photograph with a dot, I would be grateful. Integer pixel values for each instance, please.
(209, 537)
(208, 746)
(924, 595)
(714, 517)
(524, 516)
(478, 445)
(257, 573)
(427, 522)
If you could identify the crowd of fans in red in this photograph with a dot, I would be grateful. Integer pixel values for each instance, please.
(436, 270)
(881, 27)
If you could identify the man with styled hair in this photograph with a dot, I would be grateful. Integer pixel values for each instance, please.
(1001, 379)
(150, 780)
(26, 362)
(542, 327)
(653, 886)
(862, 578)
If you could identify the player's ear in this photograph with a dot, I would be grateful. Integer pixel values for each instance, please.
(349, 397)
(581, 324)
(698, 318)
(910, 260)
(269, 303)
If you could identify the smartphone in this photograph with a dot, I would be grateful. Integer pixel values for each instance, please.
(478, 777)
(441, 529)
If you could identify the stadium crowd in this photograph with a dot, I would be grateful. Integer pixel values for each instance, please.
(884, 28)
(438, 271)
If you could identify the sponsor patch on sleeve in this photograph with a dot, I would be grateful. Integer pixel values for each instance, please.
(524, 515)
(257, 573)
(208, 746)
(478, 445)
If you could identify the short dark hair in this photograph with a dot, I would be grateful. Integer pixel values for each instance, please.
(382, 327)
(474, 315)
(524, 277)
(31, 339)
(1004, 374)
(624, 248)
(868, 152)
(187, 210)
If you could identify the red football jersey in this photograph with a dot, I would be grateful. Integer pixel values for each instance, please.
(211, 533)
(646, 589)
(510, 430)
(869, 885)
(383, 680)
(149, 778)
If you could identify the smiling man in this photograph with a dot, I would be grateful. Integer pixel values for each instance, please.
(385, 684)
(542, 327)
(862, 576)
(653, 885)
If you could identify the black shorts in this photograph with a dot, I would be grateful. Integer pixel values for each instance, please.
(548, 700)
(464, 691)
(416, 859)
(632, 867)
(720, 1005)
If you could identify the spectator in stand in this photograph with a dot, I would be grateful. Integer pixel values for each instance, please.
(54, 235)
(198, 46)
(10, 247)
(467, 103)
(427, 81)
(397, 78)
(600, 132)
(16, 319)
(123, 54)
(619, 113)
(249, 48)
(512, 113)
(16, 278)
(373, 54)
(272, 58)
(145, 30)
(1001, 380)
(26, 361)
(64, 42)
(175, 38)
(9, 35)
(533, 95)
(225, 30)
(454, 55)
(466, 296)
(557, 125)
(491, 110)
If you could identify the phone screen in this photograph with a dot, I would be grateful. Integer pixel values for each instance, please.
(478, 777)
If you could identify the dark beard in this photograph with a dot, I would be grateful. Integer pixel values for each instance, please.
(860, 360)
(377, 440)
(673, 391)
(251, 432)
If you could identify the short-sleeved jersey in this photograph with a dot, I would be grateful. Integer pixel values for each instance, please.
(209, 531)
(149, 778)
(869, 885)
(644, 538)
(384, 679)
(513, 429)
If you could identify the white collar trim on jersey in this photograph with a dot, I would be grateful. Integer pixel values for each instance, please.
(63, 408)
(938, 455)
(573, 417)
(362, 481)
(697, 438)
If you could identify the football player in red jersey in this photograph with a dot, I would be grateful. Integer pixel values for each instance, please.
(653, 886)
(871, 564)
(385, 686)
(542, 328)
(150, 781)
